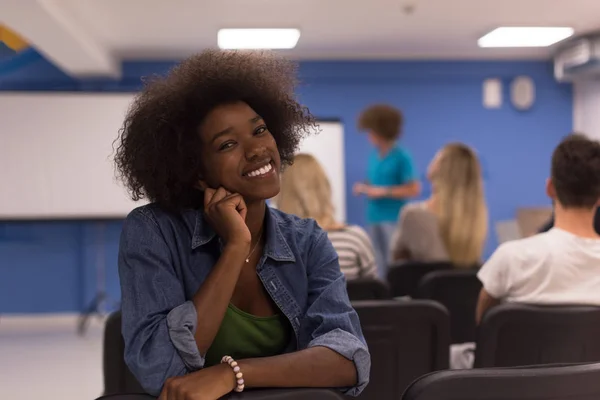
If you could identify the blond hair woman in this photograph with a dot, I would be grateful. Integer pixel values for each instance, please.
(452, 224)
(306, 192)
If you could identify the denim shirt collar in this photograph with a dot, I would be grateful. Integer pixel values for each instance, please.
(276, 247)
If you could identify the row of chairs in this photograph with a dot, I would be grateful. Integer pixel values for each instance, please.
(456, 289)
(565, 382)
(544, 382)
(410, 339)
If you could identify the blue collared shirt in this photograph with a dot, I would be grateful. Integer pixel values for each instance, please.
(164, 258)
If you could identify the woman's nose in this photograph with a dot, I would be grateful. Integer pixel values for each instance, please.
(255, 151)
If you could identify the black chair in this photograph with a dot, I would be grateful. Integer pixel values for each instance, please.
(129, 396)
(517, 334)
(406, 339)
(368, 289)
(556, 382)
(404, 277)
(118, 379)
(266, 394)
(458, 291)
(286, 394)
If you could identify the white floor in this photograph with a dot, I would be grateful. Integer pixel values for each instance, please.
(43, 358)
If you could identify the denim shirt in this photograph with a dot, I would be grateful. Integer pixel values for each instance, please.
(164, 258)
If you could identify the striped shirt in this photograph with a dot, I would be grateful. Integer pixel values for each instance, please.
(355, 251)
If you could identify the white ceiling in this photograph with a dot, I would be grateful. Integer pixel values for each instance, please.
(100, 33)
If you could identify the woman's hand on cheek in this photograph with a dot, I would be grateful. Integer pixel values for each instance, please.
(226, 212)
(206, 384)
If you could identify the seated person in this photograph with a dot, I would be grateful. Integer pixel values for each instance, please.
(561, 266)
(452, 224)
(219, 291)
(306, 192)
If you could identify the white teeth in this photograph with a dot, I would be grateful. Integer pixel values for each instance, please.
(261, 171)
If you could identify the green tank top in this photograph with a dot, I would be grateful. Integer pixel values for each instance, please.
(243, 335)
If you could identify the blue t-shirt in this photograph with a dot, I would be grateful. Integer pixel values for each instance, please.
(393, 169)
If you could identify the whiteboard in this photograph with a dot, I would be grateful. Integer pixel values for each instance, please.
(56, 156)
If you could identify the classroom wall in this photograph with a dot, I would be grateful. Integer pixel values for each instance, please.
(49, 266)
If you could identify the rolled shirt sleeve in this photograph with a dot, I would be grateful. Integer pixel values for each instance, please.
(158, 322)
(332, 320)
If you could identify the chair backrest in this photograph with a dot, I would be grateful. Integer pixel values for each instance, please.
(559, 382)
(118, 379)
(129, 396)
(287, 394)
(517, 334)
(458, 291)
(406, 339)
(404, 277)
(368, 289)
(252, 394)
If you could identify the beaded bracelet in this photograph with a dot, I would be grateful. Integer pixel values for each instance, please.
(239, 377)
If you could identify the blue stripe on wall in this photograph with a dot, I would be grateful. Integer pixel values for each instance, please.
(49, 266)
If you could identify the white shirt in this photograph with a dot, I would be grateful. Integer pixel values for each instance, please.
(555, 267)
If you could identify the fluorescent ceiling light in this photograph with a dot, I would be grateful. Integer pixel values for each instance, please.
(258, 38)
(524, 37)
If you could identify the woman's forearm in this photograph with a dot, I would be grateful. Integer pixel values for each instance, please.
(312, 367)
(213, 297)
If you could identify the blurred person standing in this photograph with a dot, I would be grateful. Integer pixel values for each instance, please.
(391, 177)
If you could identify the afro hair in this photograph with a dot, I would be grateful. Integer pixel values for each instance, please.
(157, 155)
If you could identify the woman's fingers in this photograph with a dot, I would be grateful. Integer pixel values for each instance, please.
(164, 394)
(241, 207)
(230, 198)
(208, 195)
(238, 202)
(218, 195)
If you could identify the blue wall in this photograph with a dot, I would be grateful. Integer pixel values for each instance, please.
(49, 266)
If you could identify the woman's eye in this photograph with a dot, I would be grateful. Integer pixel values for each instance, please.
(260, 129)
(226, 145)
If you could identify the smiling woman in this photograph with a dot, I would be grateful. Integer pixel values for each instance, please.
(219, 291)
